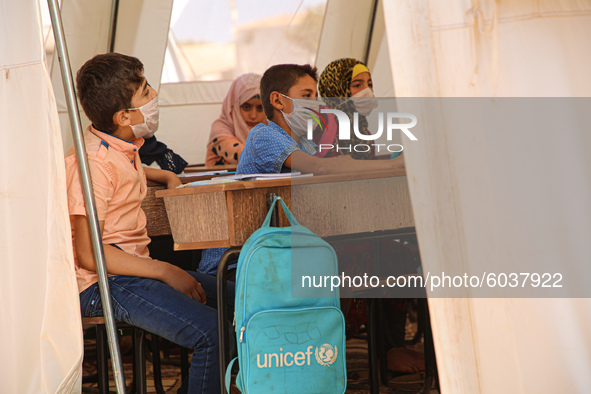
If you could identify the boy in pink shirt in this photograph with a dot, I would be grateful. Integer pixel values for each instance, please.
(154, 295)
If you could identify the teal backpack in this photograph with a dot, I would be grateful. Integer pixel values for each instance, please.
(285, 344)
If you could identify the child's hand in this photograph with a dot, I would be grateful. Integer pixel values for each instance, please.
(173, 181)
(182, 281)
(169, 178)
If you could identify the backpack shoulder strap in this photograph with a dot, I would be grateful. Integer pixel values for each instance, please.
(288, 213)
(229, 374)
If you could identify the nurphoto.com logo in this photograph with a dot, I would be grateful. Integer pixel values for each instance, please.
(344, 130)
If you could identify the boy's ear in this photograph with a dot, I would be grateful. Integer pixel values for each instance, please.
(121, 118)
(277, 101)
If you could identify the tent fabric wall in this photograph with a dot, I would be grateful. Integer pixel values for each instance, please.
(470, 200)
(355, 21)
(187, 111)
(41, 330)
(189, 108)
(142, 31)
(379, 59)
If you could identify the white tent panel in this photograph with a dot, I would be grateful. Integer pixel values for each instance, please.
(188, 109)
(142, 28)
(142, 31)
(355, 21)
(493, 195)
(41, 334)
(86, 28)
(188, 138)
(380, 69)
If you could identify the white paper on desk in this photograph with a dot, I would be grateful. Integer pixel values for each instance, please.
(204, 173)
(213, 181)
(293, 175)
(258, 177)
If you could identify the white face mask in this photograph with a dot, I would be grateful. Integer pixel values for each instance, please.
(151, 114)
(365, 101)
(301, 109)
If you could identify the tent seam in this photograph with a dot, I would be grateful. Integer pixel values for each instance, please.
(519, 18)
(20, 65)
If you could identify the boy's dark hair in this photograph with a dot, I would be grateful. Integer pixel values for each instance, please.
(105, 84)
(280, 78)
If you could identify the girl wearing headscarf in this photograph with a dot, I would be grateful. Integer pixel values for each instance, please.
(341, 79)
(241, 111)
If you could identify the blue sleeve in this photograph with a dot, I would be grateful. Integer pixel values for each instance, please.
(271, 149)
(210, 259)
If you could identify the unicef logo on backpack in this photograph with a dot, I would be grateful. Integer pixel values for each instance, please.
(326, 354)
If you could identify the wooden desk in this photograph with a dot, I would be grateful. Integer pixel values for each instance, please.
(154, 206)
(226, 215)
(202, 168)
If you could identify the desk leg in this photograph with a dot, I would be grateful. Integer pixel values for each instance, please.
(372, 345)
(275, 215)
(222, 288)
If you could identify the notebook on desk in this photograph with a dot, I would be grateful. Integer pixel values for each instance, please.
(260, 177)
(213, 181)
(204, 173)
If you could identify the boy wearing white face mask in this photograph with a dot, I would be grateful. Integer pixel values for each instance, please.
(288, 95)
(151, 294)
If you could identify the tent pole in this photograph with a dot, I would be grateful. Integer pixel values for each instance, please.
(370, 33)
(66, 71)
(113, 26)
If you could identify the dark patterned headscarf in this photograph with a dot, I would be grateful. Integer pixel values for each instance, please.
(334, 85)
(335, 80)
(155, 151)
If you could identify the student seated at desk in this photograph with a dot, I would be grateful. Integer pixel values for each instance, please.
(241, 111)
(281, 146)
(349, 77)
(151, 294)
(341, 79)
(156, 154)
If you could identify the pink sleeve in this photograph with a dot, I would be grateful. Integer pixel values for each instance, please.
(226, 148)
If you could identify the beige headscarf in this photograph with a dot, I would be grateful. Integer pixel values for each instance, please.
(230, 123)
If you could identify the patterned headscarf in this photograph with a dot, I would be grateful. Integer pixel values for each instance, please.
(335, 80)
(334, 86)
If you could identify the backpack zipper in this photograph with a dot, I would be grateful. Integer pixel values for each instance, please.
(242, 333)
(299, 309)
